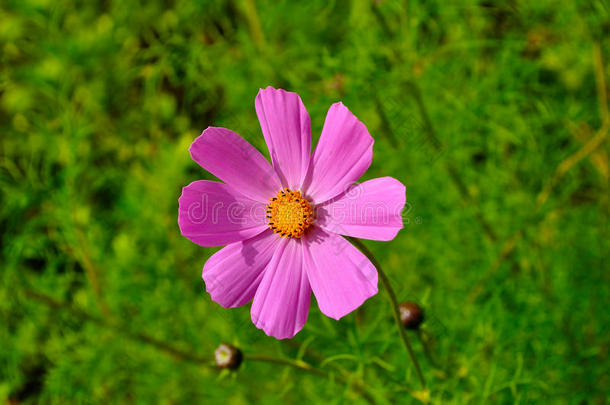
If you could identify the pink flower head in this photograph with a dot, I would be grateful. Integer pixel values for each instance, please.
(282, 223)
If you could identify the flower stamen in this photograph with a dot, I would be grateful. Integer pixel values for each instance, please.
(289, 214)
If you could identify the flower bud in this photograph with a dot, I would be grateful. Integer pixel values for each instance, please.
(228, 356)
(411, 315)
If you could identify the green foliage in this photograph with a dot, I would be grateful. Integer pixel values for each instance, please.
(481, 108)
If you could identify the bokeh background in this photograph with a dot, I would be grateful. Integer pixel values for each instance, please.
(494, 114)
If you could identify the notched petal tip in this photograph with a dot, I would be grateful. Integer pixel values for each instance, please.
(269, 91)
(281, 302)
(268, 88)
(273, 89)
(272, 332)
(182, 220)
(342, 278)
(206, 132)
(213, 292)
(286, 127)
(206, 214)
(338, 315)
(372, 210)
(344, 152)
(208, 129)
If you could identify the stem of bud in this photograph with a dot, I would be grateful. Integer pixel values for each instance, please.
(395, 310)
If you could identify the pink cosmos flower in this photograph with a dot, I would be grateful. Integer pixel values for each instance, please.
(282, 224)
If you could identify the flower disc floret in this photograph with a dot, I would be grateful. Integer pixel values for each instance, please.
(289, 214)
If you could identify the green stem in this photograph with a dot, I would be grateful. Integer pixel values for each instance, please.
(427, 351)
(121, 329)
(395, 311)
(186, 355)
(303, 366)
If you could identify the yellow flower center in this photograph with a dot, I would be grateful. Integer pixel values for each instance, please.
(289, 214)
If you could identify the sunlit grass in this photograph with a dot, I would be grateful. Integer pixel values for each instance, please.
(493, 114)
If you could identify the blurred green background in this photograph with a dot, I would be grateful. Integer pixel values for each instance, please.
(493, 114)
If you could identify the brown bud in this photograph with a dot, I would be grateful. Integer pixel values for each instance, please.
(411, 315)
(228, 356)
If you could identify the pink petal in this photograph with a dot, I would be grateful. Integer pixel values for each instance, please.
(369, 210)
(233, 274)
(286, 127)
(211, 213)
(343, 154)
(281, 303)
(233, 160)
(341, 277)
